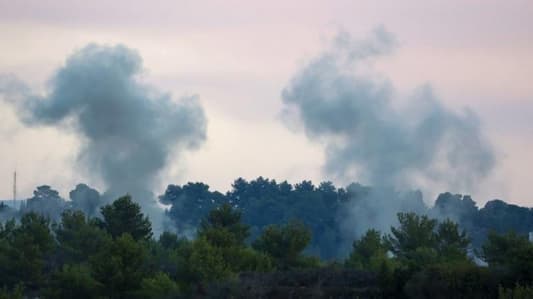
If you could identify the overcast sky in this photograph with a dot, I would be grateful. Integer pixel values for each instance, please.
(239, 55)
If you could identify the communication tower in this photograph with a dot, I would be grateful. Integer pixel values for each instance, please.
(15, 189)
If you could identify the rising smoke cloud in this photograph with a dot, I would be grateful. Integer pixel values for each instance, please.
(128, 130)
(373, 135)
(354, 113)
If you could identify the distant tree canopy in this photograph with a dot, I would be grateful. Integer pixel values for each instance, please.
(322, 209)
(85, 199)
(124, 216)
(327, 211)
(45, 201)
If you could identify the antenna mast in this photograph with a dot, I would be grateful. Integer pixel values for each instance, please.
(15, 189)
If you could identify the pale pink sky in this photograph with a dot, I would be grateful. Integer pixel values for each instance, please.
(238, 55)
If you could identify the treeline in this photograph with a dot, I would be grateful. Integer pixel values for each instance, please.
(329, 211)
(334, 215)
(117, 256)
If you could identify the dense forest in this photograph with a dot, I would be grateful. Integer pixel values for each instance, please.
(264, 239)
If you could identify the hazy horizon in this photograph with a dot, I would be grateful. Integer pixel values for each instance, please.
(237, 57)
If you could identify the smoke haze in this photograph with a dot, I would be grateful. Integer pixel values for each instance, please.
(128, 130)
(373, 135)
(353, 113)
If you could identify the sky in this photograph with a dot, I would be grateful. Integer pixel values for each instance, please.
(237, 56)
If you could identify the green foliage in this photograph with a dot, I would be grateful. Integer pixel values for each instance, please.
(420, 246)
(124, 216)
(421, 241)
(159, 286)
(285, 244)
(117, 257)
(414, 232)
(219, 252)
(169, 240)
(369, 252)
(451, 243)
(248, 259)
(451, 280)
(322, 208)
(169, 255)
(25, 251)
(78, 237)
(207, 262)
(517, 292)
(120, 266)
(16, 293)
(223, 227)
(264, 202)
(510, 254)
(74, 281)
(190, 203)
